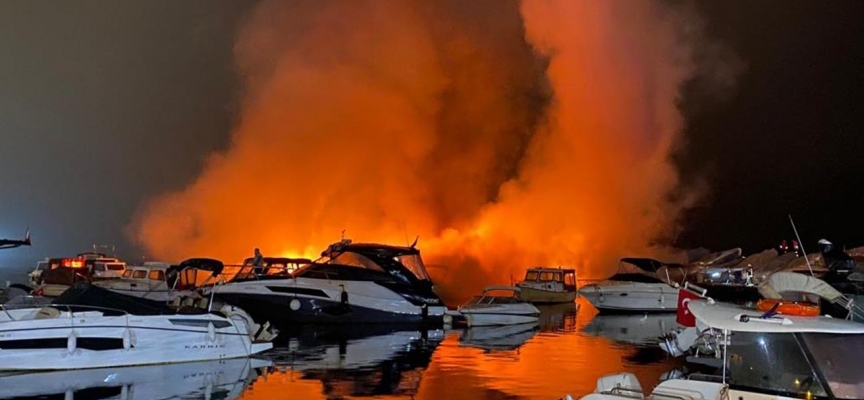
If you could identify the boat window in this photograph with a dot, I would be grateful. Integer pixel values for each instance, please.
(355, 260)
(838, 357)
(414, 264)
(114, 267)
(139, 274)
(531, 276)
(127, 273)
(156, 275)
(558, 277)
(773, 363)
(570, 279)
(99, 267)
(546, 276)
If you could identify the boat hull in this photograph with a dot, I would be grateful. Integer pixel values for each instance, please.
(91, 340)
(631, 297)
(286, 303)
(533, 295)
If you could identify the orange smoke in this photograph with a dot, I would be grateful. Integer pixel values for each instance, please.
(504, 135)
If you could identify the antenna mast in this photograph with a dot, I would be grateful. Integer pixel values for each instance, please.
(800, 243)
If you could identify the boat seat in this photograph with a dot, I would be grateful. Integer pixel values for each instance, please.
(689, 389)
(47, 313)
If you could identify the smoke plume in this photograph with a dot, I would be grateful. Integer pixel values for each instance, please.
(504, 134)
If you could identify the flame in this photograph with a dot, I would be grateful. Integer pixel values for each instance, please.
(537, 134)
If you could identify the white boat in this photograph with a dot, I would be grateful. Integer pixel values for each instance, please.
(636, 289)
(351, 283)
(90, 327)
(148, 281)
(762, 357)
(222, 379)
(489, 309)
(548, 285)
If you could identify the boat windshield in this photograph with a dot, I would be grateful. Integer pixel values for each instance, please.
(532, 275)
(839, 357)
(355, 260)
(414, 264)
(773, 363)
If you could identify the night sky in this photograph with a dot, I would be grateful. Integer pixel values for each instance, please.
(104, 104)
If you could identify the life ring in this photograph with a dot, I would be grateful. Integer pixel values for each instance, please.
(785, 307)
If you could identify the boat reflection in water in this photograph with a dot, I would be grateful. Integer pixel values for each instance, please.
(226, 379)
(342, 361)
(557, 358)
(639, 330)
(503, 337)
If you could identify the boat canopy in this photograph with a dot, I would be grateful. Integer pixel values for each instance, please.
(645, 264)
(784, 282)
(734, 318)
(88, 297)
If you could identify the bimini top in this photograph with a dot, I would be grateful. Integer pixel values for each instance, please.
(783, 282)
(647, 264)
(734, 318)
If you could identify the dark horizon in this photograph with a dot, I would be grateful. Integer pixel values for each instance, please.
(105, 106)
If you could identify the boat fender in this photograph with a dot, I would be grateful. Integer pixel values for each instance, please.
(211, 332)
(127, 339)
(72, 342)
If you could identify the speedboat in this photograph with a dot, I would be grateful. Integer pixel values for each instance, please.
(761, 356)
(222, 379)
(491, 309)
(637, 288)
(548, 285)
(351, 283)
(91, 327)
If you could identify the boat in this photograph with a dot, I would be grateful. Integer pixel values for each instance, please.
(760, 357)
(491, 309)
(148, 281)
(548, 285)
(213, 379)
(637, 288)
(350, 283)
(91, 327)
(52, 276)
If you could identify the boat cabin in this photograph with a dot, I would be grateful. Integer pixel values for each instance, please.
(84, 266)
(552, 279)
(270, 268)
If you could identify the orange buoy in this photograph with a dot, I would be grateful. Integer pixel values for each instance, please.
(785, 307)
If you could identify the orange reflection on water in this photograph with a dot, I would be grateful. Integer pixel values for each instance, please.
(556, 360)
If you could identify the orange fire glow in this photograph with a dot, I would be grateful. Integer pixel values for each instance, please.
(536, 135)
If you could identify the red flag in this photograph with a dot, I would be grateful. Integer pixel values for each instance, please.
(684, 316)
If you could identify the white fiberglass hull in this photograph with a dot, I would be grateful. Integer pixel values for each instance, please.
(285, 302)
(92, 340)
(500, 314)
(631, 297)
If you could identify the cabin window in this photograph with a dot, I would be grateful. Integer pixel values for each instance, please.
(127, 273)
(99, 268)
(531, 276)
(139, 274)
(546, 276)
(558, 277)
(570, 279)
(114, 267)
(156, 275)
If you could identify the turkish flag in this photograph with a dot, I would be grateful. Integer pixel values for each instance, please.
(684, 316)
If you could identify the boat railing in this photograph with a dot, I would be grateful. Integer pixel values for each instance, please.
(71, 309)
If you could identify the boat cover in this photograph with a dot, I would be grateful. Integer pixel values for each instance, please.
(728, 316)
(781, 282)
(87, 295)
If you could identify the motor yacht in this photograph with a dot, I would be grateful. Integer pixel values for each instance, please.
(548, 285)
(52, 276)
(762, 357)
(499, 305)
(642, 285)
(351, 283)
(91, 327)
